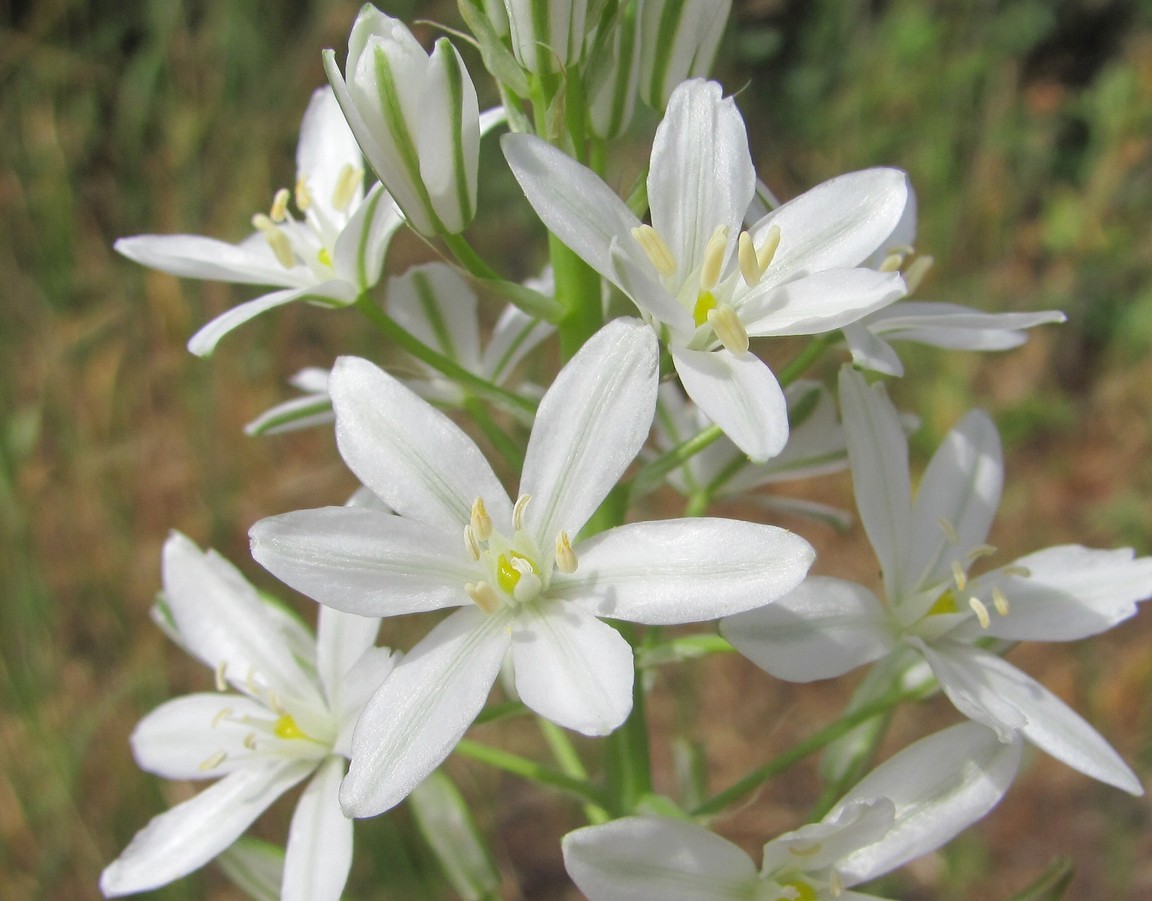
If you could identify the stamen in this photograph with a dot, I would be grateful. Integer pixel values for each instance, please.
(729, 329)
(714, 258)
(916, 271)
(892, 262)
(250, 741)
(565, 556)
(1016, 570)
(836, 884)
(656, 249)
(221, 681)
(981, 612)
(483, 596)
(749, 264)
(767, 251)
(480, 520)
(279, 211)
(518, 511)
(349, 179)
(981, 550)
(276, 239)
(303, 197)
(958, 575)
(949, 531)
(1000, 602)
(214, 761)
(221, 714)
(805, 850)
(470, 543)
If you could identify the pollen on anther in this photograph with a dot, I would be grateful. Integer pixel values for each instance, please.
(749, 264)
(470, 543)
(656, 249)
(349, 179)
(483, 596)
(768, 248)
(713, 258)
(958, 575)
(222, 714)
(729, 329)
(214, 761)
(916, 271)
(303, 197)
(221, 680)
(981, 550)
(250, 741)
(1000, 601)
(949, 531)
(480, 521)
(279, 211)
(518, 511)
(277, 240)
(566, 560)
(981, 612)
(892, 263)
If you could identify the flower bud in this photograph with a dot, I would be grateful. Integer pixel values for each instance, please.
(613, 76)
(415, 117)
(679, 39)
(547, 35)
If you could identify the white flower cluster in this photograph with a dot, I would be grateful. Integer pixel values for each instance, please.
(556, 585)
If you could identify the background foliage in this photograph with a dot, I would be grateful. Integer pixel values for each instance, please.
(1027, 129)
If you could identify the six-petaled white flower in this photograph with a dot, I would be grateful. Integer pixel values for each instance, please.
(526, 586)
(290, 716)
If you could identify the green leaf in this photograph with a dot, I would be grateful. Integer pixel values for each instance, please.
(498, 59)
(1052, 883)
(444, 821)
(256, 867)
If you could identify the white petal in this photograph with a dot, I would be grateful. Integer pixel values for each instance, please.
(960, 487)
(423, 709)
(360, 683)
(365, 562)
(701, 175)
(358, 255)
(1072, 592)
(643, 858)
(590, 425)
(957, 327)
(814, 847)
(341, 640)
(836, 225)
(515, 335)
(820, 630)
(251, 262)
(871, 352)
(740, 394)
(962, 679)
(571, 668)
(1049, 722)
(685, 570)
(223, 621)
(940, 785)
(447, 131)
(585, 213)
(410, 454)
(438, 307)
(189, 835)
(821, 302)
(326, 147)
(208, 336)
(177, 738)
(878, 454)
(319, 851)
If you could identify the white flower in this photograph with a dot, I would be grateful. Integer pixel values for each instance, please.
(912, 804)
(678, 41)
(934, 609)
(296, 700)
(524, 586)
(416, 118)
(330, 256)
(547, 35)
(706, 285)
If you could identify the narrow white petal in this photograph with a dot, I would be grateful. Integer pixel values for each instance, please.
(643, 858)
(820, 630)
(740, 394)
(1049, 722)
(590, 425)
(878, 454)
(251, 262)
(423, 709)
(515, 335)
(365, 562)
(963, 679)
(223, 621)
(837, 224)
(814, 847)
(960, 487)
(586, 214)
(341, 640)
(571, 668)
(1072, 592)
(869, 351)
(189, 835)
(940, 785)
(957, 327)
(413, 456)
(438, 307)
(447, 132)
(358, 255)
(359, 684)
(817, 303)
(685, 570)
(326, 147)
(319, 851)
(701, 175)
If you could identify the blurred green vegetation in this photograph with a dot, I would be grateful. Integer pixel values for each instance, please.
(1026, 127)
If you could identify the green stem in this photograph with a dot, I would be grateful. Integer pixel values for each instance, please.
(648, 478)
(469, 258)
(800, 363)
(629, 766)
(698, 502)
(413, 345)
(530, 769)
(571, 765)
(511, 452)
(798, 752)
(578, 291)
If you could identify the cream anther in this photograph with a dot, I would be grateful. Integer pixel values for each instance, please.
(1000, 602)
(767, 251)
(949, 531)
(892, 262)
(518, 511)
(749, 264)
(221, 714)
(349, 179)
(958, 575)
(214, 761)
(729, 329)
(250, 741)
(805, 850)
(656, 249)
(1015, 570)
(303, 197)
(483, 596)
(981, 550)
(279, 211)
(470, 543)
(276, 239)
(916, 271)
(981, 612)
(566, 560)
(714, 258)
(221, 680)
(480, 521)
